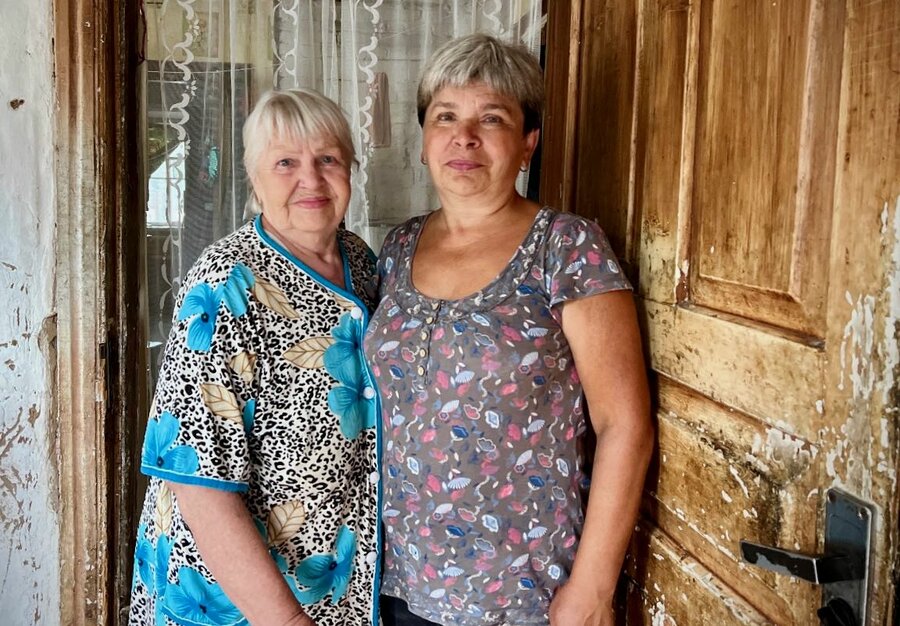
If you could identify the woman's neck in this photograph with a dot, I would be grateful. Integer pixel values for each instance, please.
(461, 215)
(321, 253)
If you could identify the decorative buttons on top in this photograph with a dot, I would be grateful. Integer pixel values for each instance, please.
(368, 393)
(424, 335)
(374, 477)
(356, 313)
(371, 557)
(422, 352)
(429, 319)
(420, 370)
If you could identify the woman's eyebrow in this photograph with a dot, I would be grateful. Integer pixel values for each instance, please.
(496, 106)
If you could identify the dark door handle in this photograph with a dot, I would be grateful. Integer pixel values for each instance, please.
(837, 613)
(815, 568)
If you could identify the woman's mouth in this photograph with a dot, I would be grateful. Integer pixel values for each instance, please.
(313, 202)
(463, 165)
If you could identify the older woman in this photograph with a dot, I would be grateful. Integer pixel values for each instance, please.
(260, 444)
(498, 320)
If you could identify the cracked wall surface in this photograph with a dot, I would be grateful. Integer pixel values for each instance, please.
(29, 524)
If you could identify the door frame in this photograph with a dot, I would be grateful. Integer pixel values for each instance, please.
(100, 341)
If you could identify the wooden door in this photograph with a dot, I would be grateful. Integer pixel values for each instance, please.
(744, 157)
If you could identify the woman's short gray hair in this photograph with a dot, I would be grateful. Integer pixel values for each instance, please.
(509, 69)
(295, 114)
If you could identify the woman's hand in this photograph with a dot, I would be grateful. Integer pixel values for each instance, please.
(577, 606)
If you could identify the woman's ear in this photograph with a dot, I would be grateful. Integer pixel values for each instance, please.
(531, 142)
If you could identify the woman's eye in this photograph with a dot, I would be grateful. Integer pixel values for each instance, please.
(492, 119)
(444, 117)
(282, 163)
(328, 159)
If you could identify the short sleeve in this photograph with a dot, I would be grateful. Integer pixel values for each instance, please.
(203, 406)
(578, 261)
(390, 255)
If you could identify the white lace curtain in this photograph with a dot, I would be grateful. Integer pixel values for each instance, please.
(206, 62)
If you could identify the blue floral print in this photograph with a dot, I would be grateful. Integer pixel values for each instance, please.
(234, 291)
(355, 408)
(248, 414)
(353, 400)
(160, 451)
(201, 304)
(343, 358)
(162, 553)
(324, 573)
(194, 600)
(242, 406)
(151, 567)
(144, 557)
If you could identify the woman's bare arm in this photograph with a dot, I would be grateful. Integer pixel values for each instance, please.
(236, 555)
(603, 333)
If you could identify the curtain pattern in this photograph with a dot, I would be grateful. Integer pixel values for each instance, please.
(208, 60)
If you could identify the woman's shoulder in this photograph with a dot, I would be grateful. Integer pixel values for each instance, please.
(219, 258)
(400, 234)
(566, 223)
(354, 245)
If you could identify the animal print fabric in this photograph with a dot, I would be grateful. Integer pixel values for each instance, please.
(482, 408)
(264, 391)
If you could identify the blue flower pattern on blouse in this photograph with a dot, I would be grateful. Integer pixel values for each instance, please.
(211, 418)
(248, 414)
(144, 558)
(194, 600)
(322, 574)
(202, 305)
(160, 450)
(234, 291)
(353, 399)
(152, 567)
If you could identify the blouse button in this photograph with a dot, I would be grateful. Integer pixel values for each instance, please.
(368, 393)
(429, 319)
(420, 370)
(424, 335)
(356, 313)
(422, 352)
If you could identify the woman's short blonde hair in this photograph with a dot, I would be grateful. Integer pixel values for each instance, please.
(509, 69)
(293, 114)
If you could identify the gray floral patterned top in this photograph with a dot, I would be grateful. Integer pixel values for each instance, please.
(482, 409)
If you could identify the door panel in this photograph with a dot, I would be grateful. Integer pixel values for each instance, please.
(760, 214)
(753, 189)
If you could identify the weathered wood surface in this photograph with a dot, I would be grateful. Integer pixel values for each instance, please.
(744, 158)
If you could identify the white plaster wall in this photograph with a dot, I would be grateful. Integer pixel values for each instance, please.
(29, 532)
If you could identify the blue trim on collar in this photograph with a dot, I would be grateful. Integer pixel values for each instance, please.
(268, 240)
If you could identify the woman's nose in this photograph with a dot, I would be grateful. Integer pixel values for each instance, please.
(309, 176)
(466, 133)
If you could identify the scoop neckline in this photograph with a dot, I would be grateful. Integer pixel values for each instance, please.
(498, 289)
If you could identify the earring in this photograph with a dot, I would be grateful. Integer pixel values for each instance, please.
(422, 159)
(523, 168)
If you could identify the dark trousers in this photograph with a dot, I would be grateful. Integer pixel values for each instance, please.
(394, 612)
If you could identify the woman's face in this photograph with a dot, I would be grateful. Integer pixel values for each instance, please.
(474, 143)
(304, 186)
